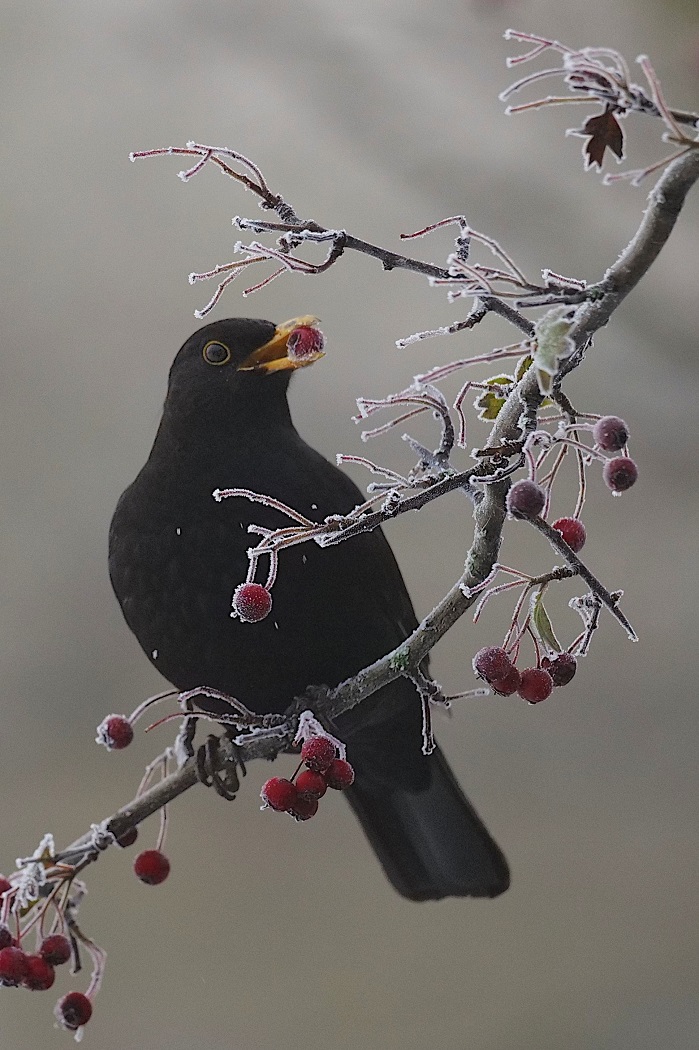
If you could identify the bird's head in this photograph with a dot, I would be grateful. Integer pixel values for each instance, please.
(239, 365)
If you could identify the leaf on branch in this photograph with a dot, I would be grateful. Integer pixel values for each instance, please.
(490, 402)
(602, 132)
(553, 344)
(541, 623)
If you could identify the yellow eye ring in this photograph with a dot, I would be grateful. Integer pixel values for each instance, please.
(215, 353)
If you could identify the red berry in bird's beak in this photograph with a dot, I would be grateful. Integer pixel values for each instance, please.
(304, 342)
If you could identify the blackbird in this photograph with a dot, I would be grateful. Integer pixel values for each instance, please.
(176, 556)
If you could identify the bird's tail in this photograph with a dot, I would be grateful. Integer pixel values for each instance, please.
(427, 835)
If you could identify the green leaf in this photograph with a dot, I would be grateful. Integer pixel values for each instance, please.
(490, 403)
(541, 624)
(553, 344)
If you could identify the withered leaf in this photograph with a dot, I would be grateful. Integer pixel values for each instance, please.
(602, 132)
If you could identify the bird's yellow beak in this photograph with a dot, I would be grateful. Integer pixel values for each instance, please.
(274, 355)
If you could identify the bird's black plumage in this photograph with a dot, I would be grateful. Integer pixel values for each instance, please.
(176, 556)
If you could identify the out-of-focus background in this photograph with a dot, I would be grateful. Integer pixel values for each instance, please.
(379, 117)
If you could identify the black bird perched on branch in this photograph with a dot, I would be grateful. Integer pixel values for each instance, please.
(176, 556)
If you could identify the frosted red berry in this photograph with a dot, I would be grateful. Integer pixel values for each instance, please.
(279, 794)
(620, 474)
(251, 602)
(5, 885)
(610, 433)
(535, 684)
(6, 938)
(310, 784)
(318, 752)
(573, 532)
(115, 732)
(128, 838)
(525, 499)
(304, 342)
(152, 867)
(73, 1010)
(40, 974)
(562, 668)
(508, 684)
(13, 966)
(339, 775)
(491, 662)
(55, 949)
(304, 808)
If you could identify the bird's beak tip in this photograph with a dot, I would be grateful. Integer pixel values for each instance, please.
(283, 354)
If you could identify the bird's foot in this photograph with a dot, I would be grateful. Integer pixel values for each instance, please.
(218, 759)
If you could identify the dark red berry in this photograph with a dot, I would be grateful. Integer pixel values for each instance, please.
(610, 433)
(508, 684)
(152, 867)
(6, 938)
(279, 794)
(620, 473)
(535, 684)
(304, 808)
(310, 784)
(128, 838)
(115, 732)
(73, 1010)
(251, 602)
(525, 499)
(40, 974)
(304, 343)
(55, 949)
(318, 752)
(5, 885)
(13, 966)
(339, 775)
(562, 668)
(573, 532)
(491, 662)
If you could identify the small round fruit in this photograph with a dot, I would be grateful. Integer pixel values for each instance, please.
(127, 838)
(152, 867)
(573, 532)
(55, 949)
(73, 1010)
(40, 974)
(305, 342)
(304, 808)
(279, 794)
(562, 668)
(491, 662)
(620, 474)
(535, 684)
(508, 684)
(13, 966)
(310, 784)
(251, 602)
(6, 938)
(318, 752)
(339, 775)
(525, 499)
(610, 433)
(115, 732)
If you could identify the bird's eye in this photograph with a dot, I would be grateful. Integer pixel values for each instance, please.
(216, 354)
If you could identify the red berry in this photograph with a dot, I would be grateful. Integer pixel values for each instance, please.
(525, 499)
(128, 838)
(535, 684)
(115, 732)
(339, 775)
(152, 867)
(13, 966)
(40, 974)
(73, 1010)
(279, 794)
(318, 752)
(610, 433)
(491, 662)
(251, 602)
(304, 808)
(508, 684)
(5, 885)
(620, 473)
(6, 938)
(305, 342)
(310, 784)
(55, 949)
(562, 669)
(573, 532)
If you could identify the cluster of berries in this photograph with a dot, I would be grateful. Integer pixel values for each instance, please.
(37, 971)
(299, 796)
(533, 684)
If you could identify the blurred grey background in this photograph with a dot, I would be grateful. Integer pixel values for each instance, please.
(380, 117)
